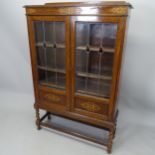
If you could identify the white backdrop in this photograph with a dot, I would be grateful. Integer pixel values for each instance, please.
(137, 85)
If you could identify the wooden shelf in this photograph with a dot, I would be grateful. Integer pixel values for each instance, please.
(41, 44)
(73, 132)
(93, 88)
(52, 85)
(52, 69)
(96, 49)
(93, 93)
(95, 76)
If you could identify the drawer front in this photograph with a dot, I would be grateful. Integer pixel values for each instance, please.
(91, 108)
(51, 98)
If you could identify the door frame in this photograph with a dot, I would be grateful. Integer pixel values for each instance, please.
(121, 21)
(33, 54)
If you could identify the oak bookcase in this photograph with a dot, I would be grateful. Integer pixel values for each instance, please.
(76, 51)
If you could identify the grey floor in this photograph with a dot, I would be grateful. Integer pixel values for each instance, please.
(18, 134)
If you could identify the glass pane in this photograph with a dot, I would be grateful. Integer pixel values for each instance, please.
(60, 58)
(56, 58)
(59, 33)
(56, 80)
(80, 83)
(50, 47)
(100, 87)
(42, 75)
(41, 56)
(109, 35)
(93, 66)
(82, 34)
(61, 79)
(81, 61)
(49, 37)
(55, 32)
(95, 47)
(92, 86)
(51, 77)
(51, 60)
(38, 27)
(107, 64)
(96, 34)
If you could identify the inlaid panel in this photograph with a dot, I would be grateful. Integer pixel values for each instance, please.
(87, 105)
(52, 98)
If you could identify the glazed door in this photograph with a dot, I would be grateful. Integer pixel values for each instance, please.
(94, 64)
(50, 58)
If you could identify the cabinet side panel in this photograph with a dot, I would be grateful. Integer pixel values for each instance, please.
(33, 57)
(117, 68)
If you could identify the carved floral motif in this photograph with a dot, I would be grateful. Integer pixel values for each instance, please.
(90, 106)
(52, 97)
(119, 10)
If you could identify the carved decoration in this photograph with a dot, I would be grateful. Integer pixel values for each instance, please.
(63, 11)
(52, 97)
(69, 10)
(79, 10)
(31, 10)
(119, 10)
(90, 106)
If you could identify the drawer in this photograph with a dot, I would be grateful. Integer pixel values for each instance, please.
(52, 98)
(93, 108)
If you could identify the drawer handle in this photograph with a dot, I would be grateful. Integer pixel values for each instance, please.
(52, 97)
(90, 106)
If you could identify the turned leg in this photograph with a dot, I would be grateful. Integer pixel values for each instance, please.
(110, 141)
(38, 119)
(114, 133)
